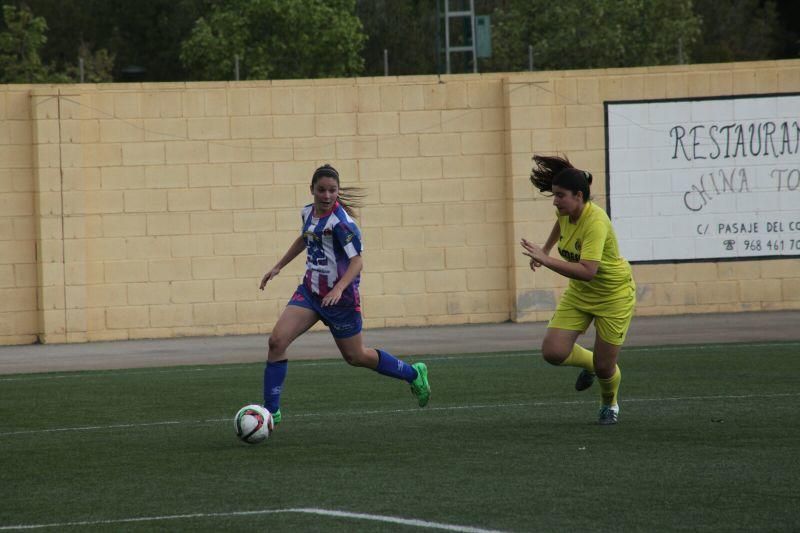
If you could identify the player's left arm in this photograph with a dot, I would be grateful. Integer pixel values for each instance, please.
(584, 269)
(353, 269)
(350, 240)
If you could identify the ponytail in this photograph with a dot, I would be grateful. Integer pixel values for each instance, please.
(351, 198)
(554, 170)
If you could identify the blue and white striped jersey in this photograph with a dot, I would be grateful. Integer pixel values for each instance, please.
(331, 240)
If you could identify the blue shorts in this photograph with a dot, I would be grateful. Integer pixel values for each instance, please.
(343, 322)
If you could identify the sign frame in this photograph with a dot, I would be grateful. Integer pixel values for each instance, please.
(763, 254)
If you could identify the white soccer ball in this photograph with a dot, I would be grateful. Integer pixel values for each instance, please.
(253, 424)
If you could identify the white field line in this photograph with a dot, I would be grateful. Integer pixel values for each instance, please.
(350, 414)
(303, 510)
(88, 374)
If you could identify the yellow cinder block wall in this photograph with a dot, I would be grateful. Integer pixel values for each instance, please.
(19, 225)
(152, 210)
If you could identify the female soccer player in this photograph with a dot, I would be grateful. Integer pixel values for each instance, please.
(600, 288)
(329, 292)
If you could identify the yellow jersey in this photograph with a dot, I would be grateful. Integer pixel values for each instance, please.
(592, 238)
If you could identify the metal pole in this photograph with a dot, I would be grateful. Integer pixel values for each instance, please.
(474, 39)
(438, 37)
(80, 67)
(447, 33)
(385, 62)
(530, 57)
(236, 68)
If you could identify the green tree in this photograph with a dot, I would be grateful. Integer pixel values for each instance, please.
(147, 34)
(406, 30)
(97, 66)
(276, 39)
(413, 34)
(21, 49)
(20, 42)
(574, 34)
(738, 30)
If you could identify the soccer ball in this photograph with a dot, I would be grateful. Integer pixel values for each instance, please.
(253, 424)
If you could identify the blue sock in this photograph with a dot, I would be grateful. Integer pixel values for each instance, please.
(274, 374)
(391, 366)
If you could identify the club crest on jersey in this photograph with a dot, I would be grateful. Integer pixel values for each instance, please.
(578, 245)
(327, 232)
(308, 234)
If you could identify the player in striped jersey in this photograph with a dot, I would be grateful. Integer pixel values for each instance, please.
(329, 292)
(601, 287)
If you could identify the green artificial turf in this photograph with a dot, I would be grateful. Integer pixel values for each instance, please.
(707, 441)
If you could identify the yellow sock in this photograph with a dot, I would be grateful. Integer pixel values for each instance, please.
(580, 357)
(609, 388)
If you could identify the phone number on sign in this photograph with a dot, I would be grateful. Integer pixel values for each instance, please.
(758, 245)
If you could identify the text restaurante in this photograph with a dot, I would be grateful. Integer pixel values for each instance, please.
(755, 139)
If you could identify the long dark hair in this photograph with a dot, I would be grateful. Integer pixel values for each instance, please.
(554, 170)
(350, 198)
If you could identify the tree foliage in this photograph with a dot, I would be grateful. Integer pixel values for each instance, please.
(406, 30)
(276, 39)
(147, 34)
(97, 66)
(593, 33)
(739, 30)
(20, 43)
(171, 40)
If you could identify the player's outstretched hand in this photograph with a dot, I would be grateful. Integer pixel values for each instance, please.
(537, 255)
(332, 298)
(268, 276)
(535, 264)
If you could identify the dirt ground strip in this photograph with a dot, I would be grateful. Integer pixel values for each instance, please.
(682, 329)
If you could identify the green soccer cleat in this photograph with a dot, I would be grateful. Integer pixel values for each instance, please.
(584, 381)
(276, 417)
(608, 415)
(420, 387)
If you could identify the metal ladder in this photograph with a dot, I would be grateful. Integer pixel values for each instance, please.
(468, 14)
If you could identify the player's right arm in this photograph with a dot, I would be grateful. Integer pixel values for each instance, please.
(551, 241)
(294, 250)
(555, 233)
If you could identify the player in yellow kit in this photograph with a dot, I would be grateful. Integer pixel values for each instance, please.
(600, 288)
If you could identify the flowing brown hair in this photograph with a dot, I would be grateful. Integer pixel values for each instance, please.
(350, 198)
(554, 170)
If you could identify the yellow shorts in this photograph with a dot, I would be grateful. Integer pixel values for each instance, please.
(611, 318)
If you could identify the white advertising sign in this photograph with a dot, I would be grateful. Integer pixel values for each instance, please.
(705, 179)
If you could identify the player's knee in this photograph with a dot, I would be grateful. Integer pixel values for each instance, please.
(277, 343)
(554, 354)
(354, 358)
(552, 358)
